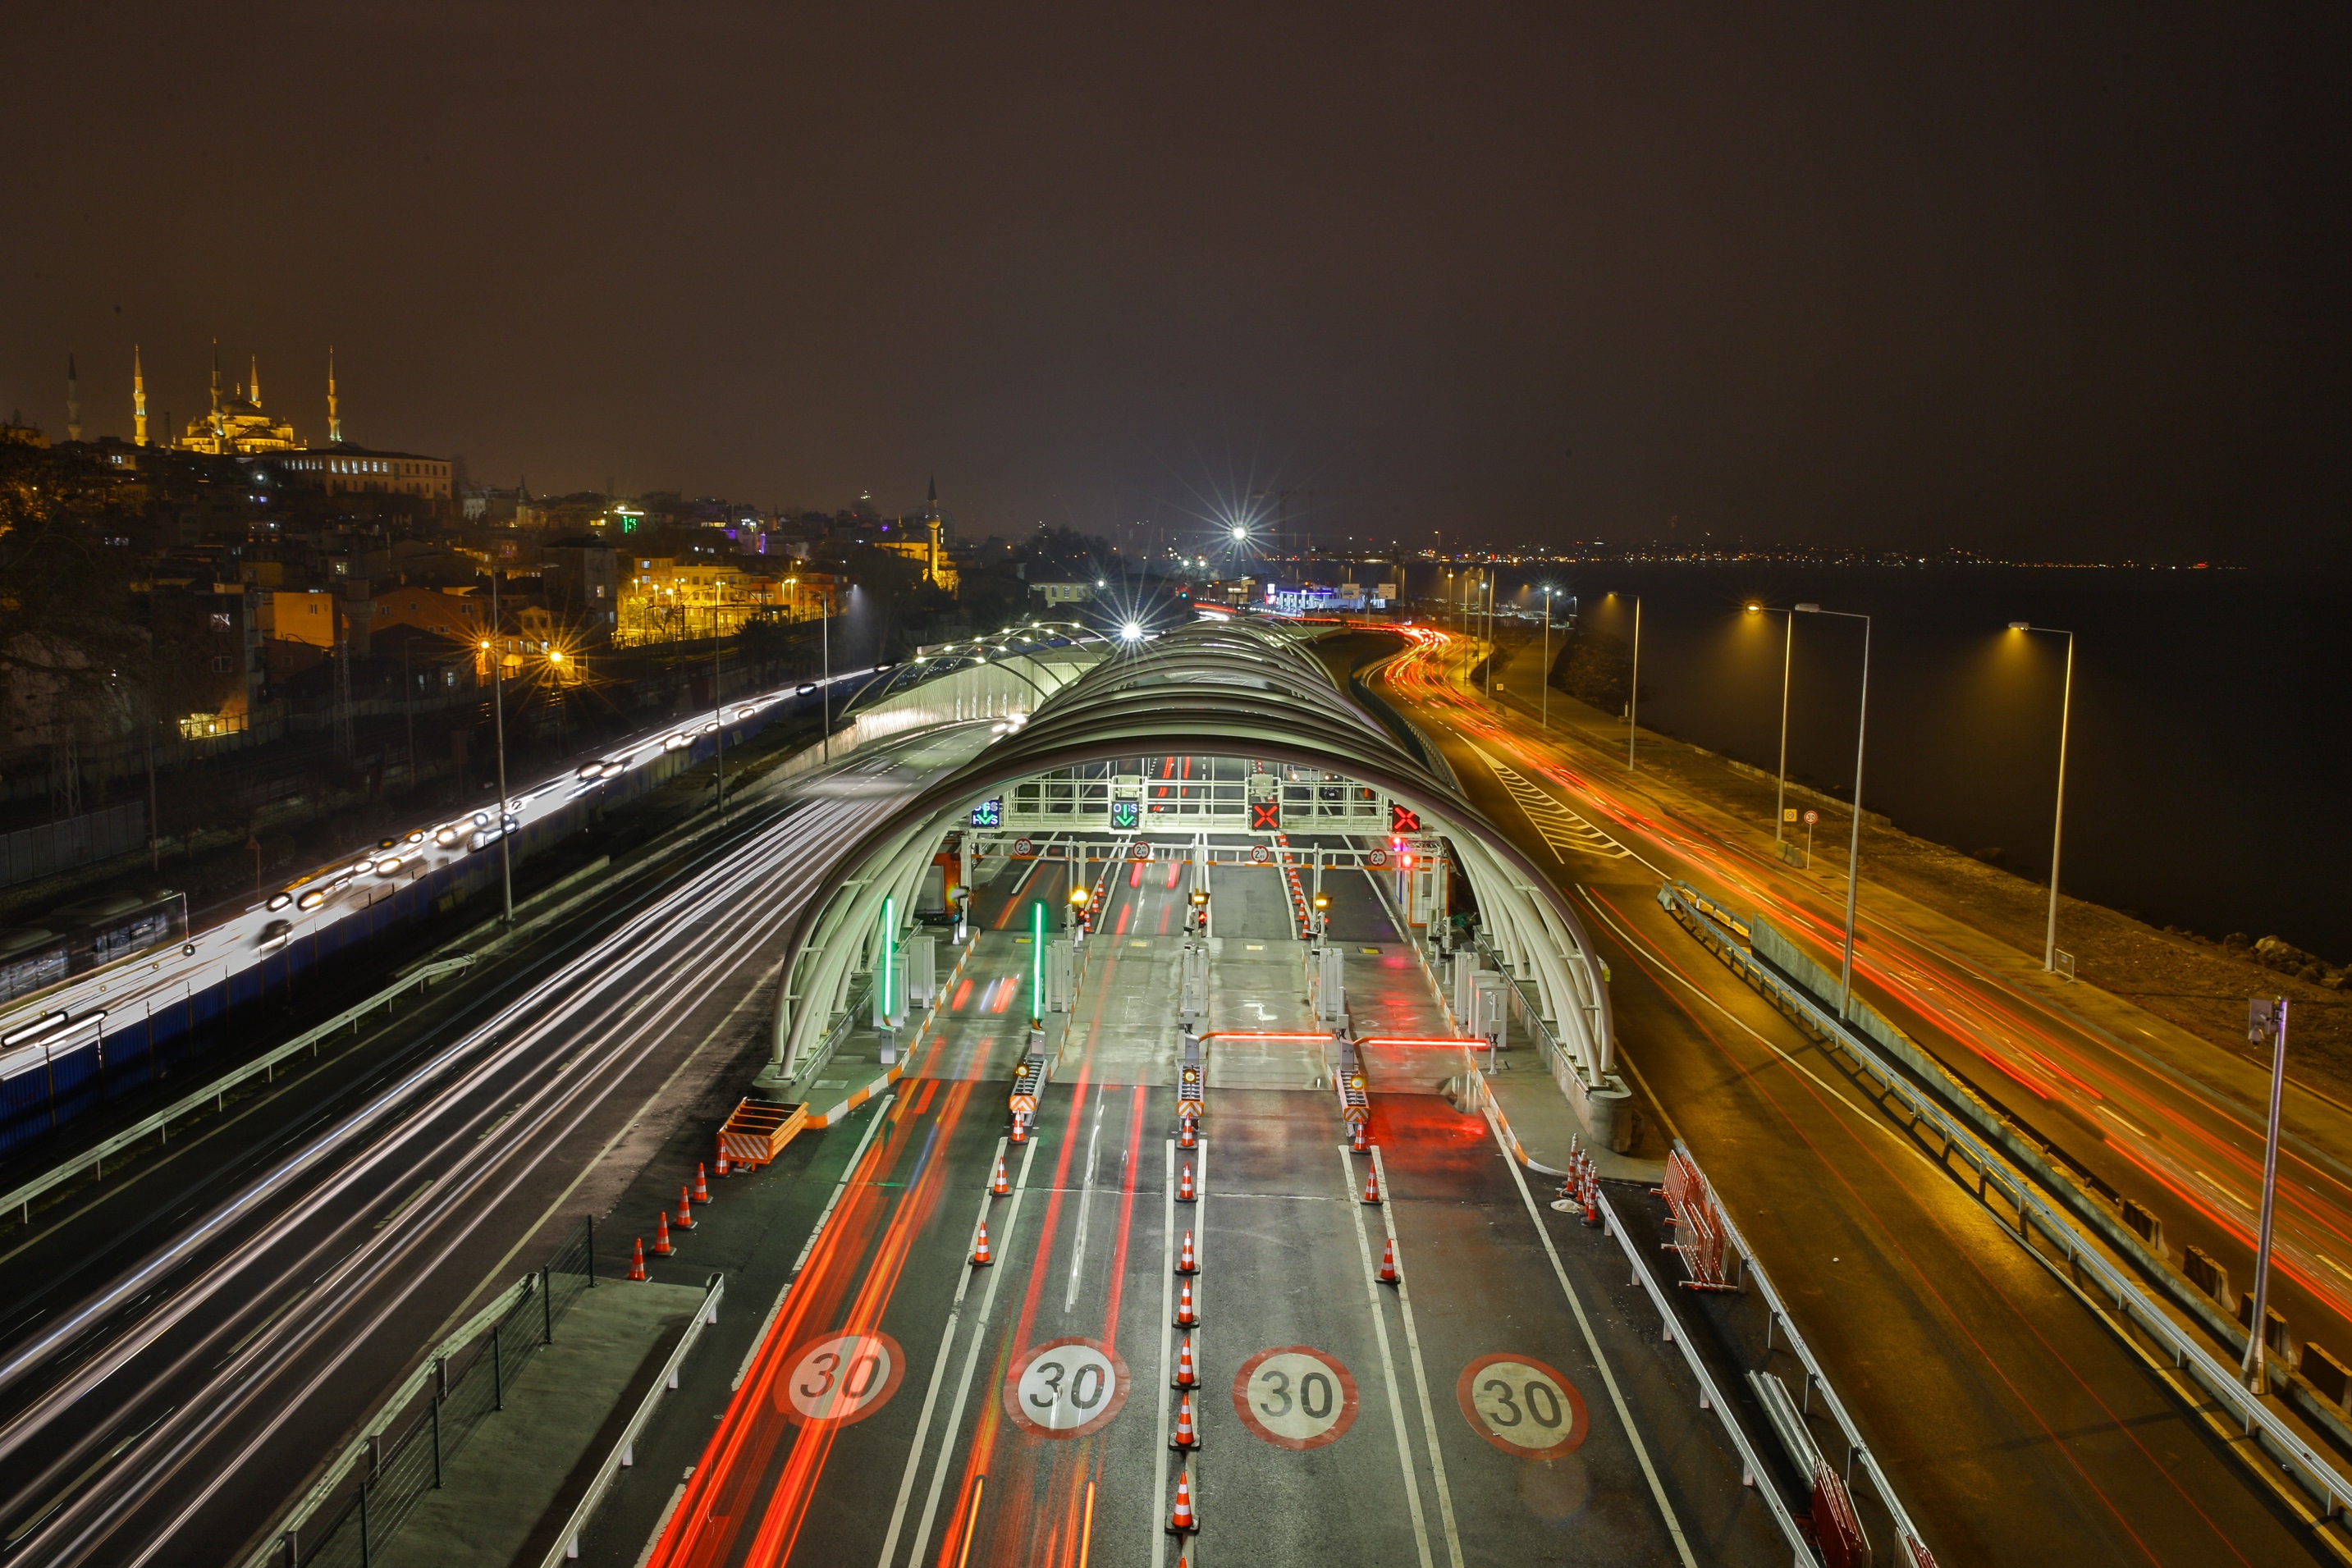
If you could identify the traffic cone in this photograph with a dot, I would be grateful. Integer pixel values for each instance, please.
(1185, 1376)
(1388, 1263)
(1184, 1137)
(1185, 1317)
(1186, 1437)
(685, 1209)
(725, 1170)
(1186, 1263)
(1372, 1183)
(1020, 1130)
(979, 1253)
(1182, 1522)
(638, 1261)
(998, 1184)
(1184, 1193)
(662, 1248)
(1362, 1145)
(701, 1184)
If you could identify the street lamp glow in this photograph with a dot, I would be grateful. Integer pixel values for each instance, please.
(1130, 632)
(1240, 532)
(2020, 626)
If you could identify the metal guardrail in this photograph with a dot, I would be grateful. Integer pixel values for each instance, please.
(2083, 1260)
(1710, 1395)
(623, 1453)
(1817, 1380)
(94, 1158)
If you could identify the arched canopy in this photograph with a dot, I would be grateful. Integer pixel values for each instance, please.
(1217, 688)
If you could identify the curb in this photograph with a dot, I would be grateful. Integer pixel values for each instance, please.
(889, 1076)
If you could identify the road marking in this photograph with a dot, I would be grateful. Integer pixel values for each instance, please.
(940, 1365)
(1295, 1397)
(1065, 1387)
(1523, 1407)
(1387, 1364)
(1167, 1350)
(881, 1112)
(1559, 827)
(1420, 1374)
(843, 1377)
(1592, 1343)
(971, 1358)
(1085, 1191)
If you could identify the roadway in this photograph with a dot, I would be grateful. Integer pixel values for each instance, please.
(162, 1398)
(2015, 1425)
(903, 1406)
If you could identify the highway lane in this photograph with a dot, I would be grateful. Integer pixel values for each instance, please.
(2179, 1132)
(238, 1353)
(2015, 1425)
(909, 1406)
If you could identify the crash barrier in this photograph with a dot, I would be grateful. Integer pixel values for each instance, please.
(1780, 1331)
(2022, 1210)
(1354, 1105)
(421, 1432)
(264, 1067)
(623, 1453)
(1699, 1222)
(145, 1040)
(756, 1131)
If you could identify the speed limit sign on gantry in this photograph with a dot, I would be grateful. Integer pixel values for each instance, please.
(1139, 851)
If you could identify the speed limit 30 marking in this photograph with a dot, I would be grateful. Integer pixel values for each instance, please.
(1065, 1387)
(1522, 1407)
(842, 1378)
(1295, 1397)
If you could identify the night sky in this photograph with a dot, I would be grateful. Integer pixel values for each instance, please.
(2057, 279)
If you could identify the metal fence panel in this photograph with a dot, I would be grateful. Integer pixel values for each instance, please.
(32, 852)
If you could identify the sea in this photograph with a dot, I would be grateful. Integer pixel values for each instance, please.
(2210, 738)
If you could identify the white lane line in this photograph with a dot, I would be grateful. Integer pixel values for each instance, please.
(971, 1356)
(1086, 1191)
(791, 1275)
(1387, 1364)
(1167, 1357)
(1592, 1343)
(1420, 1372)
(939, 1366)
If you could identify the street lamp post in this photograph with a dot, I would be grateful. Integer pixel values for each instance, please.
(1854, 845)
(1634, 692)
(2266, 1025)
(499, 728)
(1543, 698)
(1787, 653)
(2058, 822)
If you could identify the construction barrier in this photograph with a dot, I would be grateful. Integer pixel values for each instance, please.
(756, 1131)
(1028, 1085)
(1837, 1531)
(1699, 1225)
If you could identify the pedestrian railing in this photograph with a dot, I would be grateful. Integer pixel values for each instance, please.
(2028, 1211)
(345, 1521)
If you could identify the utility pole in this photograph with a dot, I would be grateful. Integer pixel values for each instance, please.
(2265, 1022)
(825, 678)
(719, 709)
(1633, 691)
(499, 728)
(408, 707)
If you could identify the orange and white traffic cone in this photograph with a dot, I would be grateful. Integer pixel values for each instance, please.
(1371, 1184)
(1020, 1128)
(725, 1170)
(701, 1184)
(981, 1257)
(1185, 1317)
(662, 1248)
(1183, 1522)
(1186, 1378)
(1187, 1437)
(1186, 1263)
(1185, 1136)
(1184, 1193)
(685, 1209)
(638, 1261)
(1361, 1144)
(1388, 1263)
(999, 1184)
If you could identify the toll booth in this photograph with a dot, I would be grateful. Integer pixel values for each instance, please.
(1490, 1010)
(1330, 985)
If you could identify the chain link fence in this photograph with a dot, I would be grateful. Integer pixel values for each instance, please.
(418, 1441)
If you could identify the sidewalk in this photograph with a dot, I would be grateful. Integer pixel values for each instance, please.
(511, 1488)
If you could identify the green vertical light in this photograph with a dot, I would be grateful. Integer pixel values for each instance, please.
(890, 968)
(1037, 963)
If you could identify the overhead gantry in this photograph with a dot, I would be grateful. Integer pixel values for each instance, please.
(1238, 688)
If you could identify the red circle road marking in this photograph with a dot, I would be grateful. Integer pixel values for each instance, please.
(1065, 1387)
(1509, 1397)
(841, 1379)
(1295, 1397)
